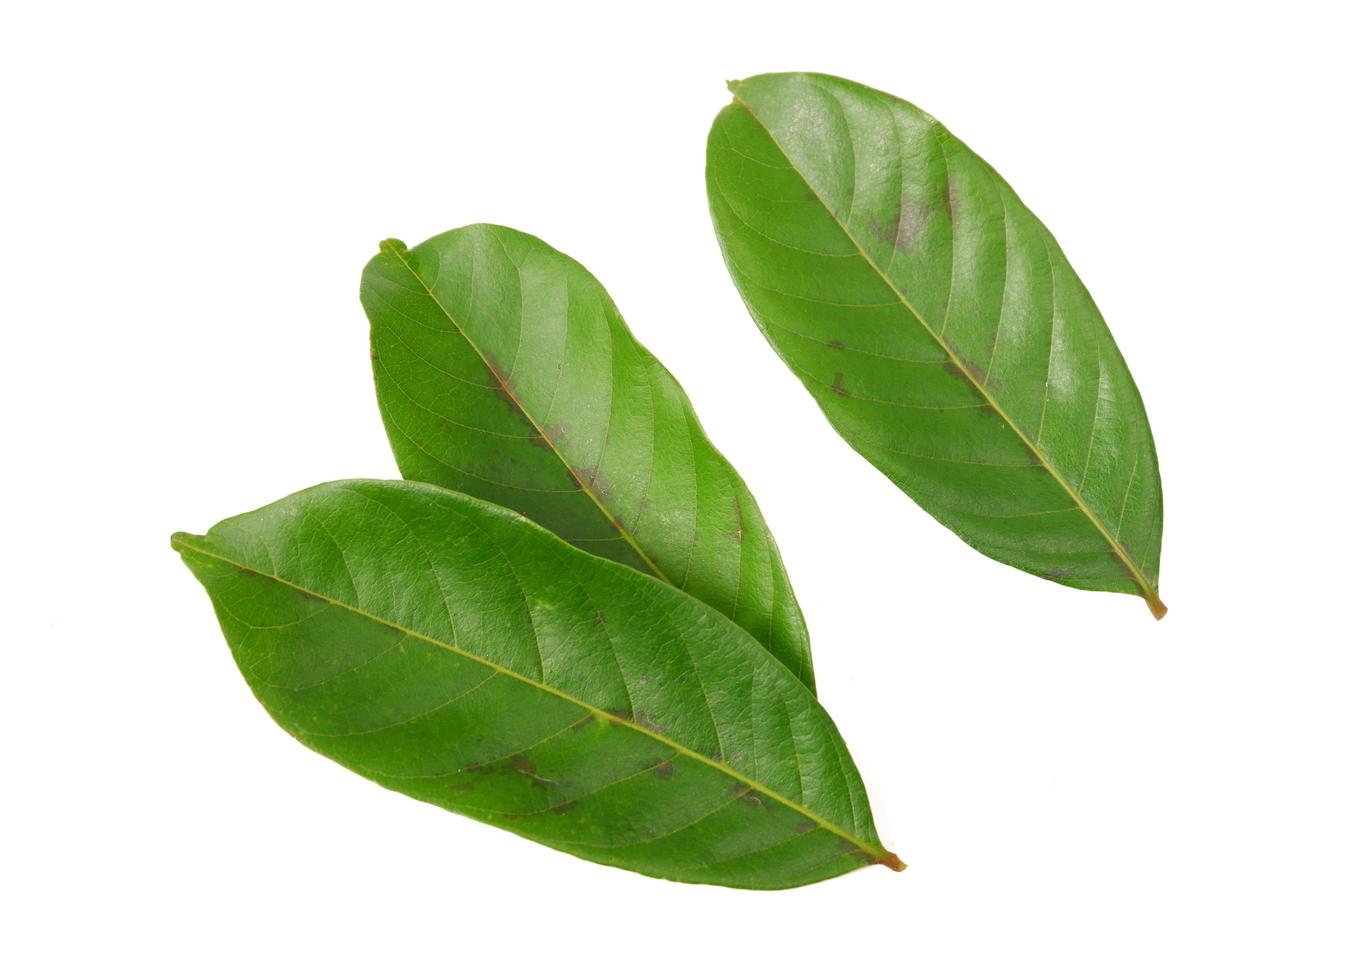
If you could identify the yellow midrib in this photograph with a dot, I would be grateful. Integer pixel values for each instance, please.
(612, 520)
(1149, 593)
(183, 542)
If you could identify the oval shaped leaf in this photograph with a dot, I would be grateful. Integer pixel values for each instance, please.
(939, 326)
(451, 650)
(504, 371)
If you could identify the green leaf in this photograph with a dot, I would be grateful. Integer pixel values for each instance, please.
(939, 327)
(505, 371)
(449, 649)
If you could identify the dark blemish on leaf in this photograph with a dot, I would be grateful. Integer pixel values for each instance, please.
(903, 232)
(564, 807)
(836, 344)
(599, 619)
(555, 435)
(592, 481)
(618, 715)
(969, 369)
(804, 827)
(645, 721)
(523, 766)
(738, 533)
(249, 571)
(374, 354)
(812, 196)
(664, 771)
(747, 795)
(1056, 574)
(838, 386)
(583, 722)
(503, 386)
(460, 787)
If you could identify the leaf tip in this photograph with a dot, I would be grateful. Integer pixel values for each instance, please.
(890, 860)
(1155, 604)
(178, 540)
(733, 84)
(394, 245)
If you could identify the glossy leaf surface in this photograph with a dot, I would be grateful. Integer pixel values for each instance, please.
(451, 650)
(504, 371)
(939, 326)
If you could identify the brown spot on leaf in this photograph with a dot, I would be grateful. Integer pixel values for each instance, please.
(738, 533)
(904, 230)
(664, 771)
(645, 721)
(1057, 574)
(564, 807)
(523, 766)
(747, 795)
(592, 481)
(968, 370)
(838, 386)
(504, 386)
(583, 722)
(836, 344)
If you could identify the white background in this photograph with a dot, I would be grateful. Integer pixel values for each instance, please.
(189, 194)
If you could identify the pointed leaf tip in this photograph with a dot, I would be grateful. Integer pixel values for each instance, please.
(394, 245)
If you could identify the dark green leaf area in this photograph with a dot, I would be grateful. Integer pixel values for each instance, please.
(939, 326)
(504, 371)
(451, 650)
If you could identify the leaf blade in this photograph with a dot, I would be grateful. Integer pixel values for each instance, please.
(448, 649)
(905, 284)
(503, 370)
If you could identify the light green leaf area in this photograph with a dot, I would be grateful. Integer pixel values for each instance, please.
(938, 325)
(504, 371)
(451, 650)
